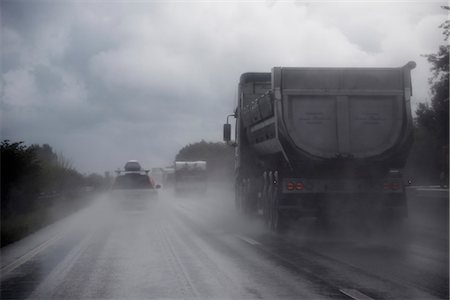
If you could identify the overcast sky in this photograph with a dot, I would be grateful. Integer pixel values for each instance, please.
(108, 81)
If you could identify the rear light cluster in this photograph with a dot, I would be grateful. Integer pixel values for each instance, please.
(392, 186)
(295, 186)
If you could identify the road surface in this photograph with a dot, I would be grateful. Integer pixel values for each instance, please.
(199, 248)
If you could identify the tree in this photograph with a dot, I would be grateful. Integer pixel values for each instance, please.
(433, 118)
(28, 171)
(95, 181)
(57, 172)
(45, 154)
(36, 182)
(20, 171)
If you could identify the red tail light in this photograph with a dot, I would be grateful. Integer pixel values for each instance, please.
(290, 186)
(392, 186)
(299, 186)
(395, 186)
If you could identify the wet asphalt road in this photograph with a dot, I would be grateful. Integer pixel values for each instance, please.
(194, 247)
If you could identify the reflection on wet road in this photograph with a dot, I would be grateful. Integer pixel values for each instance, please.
(200, 248)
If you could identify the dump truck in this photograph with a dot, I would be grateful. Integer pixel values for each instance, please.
(190, 177)
(322, 142)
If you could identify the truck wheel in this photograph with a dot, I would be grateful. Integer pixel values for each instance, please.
(244, 205)
(274, 213)
(245, 197)
(249, 198)
(266, 205)
(278, 223)
(238, 197)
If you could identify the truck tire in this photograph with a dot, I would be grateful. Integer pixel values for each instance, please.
(266, 204)
(246, 200)
(268, 215)
(238, 196)
(243, 197)
(278, 222)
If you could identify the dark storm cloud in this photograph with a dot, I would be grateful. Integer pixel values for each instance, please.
(106, 82)
(30, 17)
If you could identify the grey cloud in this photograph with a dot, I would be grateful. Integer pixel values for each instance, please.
(46, 79)
(142, 79)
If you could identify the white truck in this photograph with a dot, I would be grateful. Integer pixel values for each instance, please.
(190, 177)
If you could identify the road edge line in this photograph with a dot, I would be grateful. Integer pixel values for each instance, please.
(27, 256)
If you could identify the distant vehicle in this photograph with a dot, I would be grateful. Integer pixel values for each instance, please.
(133, 187)
(132, 166)
(320, 141)
(190, 177)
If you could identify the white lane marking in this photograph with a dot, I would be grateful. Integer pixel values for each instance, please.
(57, 276)
(355, 294)
(29, 255)
(168, 243)
(247, 240)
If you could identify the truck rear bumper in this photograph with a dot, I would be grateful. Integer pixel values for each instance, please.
(342, 186)
(306, 205)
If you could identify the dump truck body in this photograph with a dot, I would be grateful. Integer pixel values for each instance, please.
(309, 133)
(326, 114)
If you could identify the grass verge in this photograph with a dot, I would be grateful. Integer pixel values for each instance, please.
(18, 226)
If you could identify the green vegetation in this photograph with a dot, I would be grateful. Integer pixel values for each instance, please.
(38, 187)
(431, 153)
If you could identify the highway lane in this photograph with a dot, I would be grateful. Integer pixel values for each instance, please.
(195, 247)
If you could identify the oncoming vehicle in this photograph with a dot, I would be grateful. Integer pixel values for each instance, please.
(190, 177)
(132, 187)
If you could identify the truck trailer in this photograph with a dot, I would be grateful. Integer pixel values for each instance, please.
(322, 142)
(190, 177)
